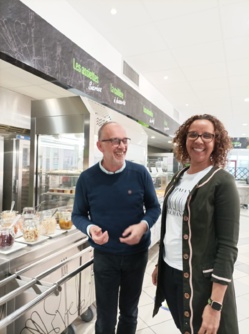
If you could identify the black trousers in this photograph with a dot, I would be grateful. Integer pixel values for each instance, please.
(173, 292)
(118, 283)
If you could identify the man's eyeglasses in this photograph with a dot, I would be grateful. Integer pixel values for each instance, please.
(206, 136)
(117, 141)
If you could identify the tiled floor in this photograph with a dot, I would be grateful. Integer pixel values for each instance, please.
(162, 321)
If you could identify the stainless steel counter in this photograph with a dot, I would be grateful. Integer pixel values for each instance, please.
(243, 190)
(45, 287)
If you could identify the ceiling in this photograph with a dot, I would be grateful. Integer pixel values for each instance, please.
(194, 52)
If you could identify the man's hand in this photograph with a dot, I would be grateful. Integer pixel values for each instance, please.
(154, 276)
(98, 236)
(133, 234)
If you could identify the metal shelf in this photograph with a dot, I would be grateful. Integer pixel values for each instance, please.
(59, 194)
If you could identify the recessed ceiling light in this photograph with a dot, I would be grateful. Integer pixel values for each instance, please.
(169, 141)
(186, 104)
(113, 11)
(246, 99)
(244, 124)
(152, 137)
(165, 77)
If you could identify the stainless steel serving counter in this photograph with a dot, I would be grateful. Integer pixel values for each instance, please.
(45, 287)
(243, 190)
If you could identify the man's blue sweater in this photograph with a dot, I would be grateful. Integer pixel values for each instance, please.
(114, 202)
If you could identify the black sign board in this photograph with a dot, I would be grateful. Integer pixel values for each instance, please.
(30, 42)
(240, 142)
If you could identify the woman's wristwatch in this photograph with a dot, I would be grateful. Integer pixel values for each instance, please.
(215, 305)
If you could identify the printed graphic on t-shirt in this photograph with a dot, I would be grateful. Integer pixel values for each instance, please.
(177, 200)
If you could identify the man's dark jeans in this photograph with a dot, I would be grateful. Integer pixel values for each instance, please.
(118, 282)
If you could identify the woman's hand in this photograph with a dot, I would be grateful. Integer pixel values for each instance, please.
(210, 321)
(154, 276)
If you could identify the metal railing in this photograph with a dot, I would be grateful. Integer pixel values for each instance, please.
(29, 282)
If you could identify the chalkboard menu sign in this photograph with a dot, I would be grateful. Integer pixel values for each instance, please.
(30, 42)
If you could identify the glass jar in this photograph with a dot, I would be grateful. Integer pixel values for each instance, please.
(8, 214)
(28, 213)
(65, 220)
(7, 237)
(31, 230)
(47, 222)
(10, 222)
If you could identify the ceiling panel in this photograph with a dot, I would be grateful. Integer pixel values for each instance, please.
(138, 44)
(153, 61)
(209, 71)
(168, 9)
(234, 19)
(191, 29)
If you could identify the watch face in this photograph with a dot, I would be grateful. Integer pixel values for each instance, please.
(216, 306)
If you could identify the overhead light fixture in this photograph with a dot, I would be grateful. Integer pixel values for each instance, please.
(113, 11)
(186, 104)
(152, 137)
(169, 141)
(244, 124)
(246, 99)
(165, 77)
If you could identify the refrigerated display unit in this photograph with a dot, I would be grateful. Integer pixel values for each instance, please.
(59, 164)
(16, 161)
(59, 150)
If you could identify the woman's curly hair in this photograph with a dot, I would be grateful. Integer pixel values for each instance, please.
(222, 143)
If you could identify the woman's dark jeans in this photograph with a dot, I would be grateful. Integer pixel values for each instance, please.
(173, 292)
(118, 282)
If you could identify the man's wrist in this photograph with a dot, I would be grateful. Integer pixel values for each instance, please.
(146, 223)
(88, 230)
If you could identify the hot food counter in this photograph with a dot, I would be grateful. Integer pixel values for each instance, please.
(45, 286)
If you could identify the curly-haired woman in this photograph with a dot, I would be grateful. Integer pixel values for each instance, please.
(199, 233)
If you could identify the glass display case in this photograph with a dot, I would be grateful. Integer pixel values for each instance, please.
(59, 150)
(16, 172)
(60, 162)
(162, 167)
